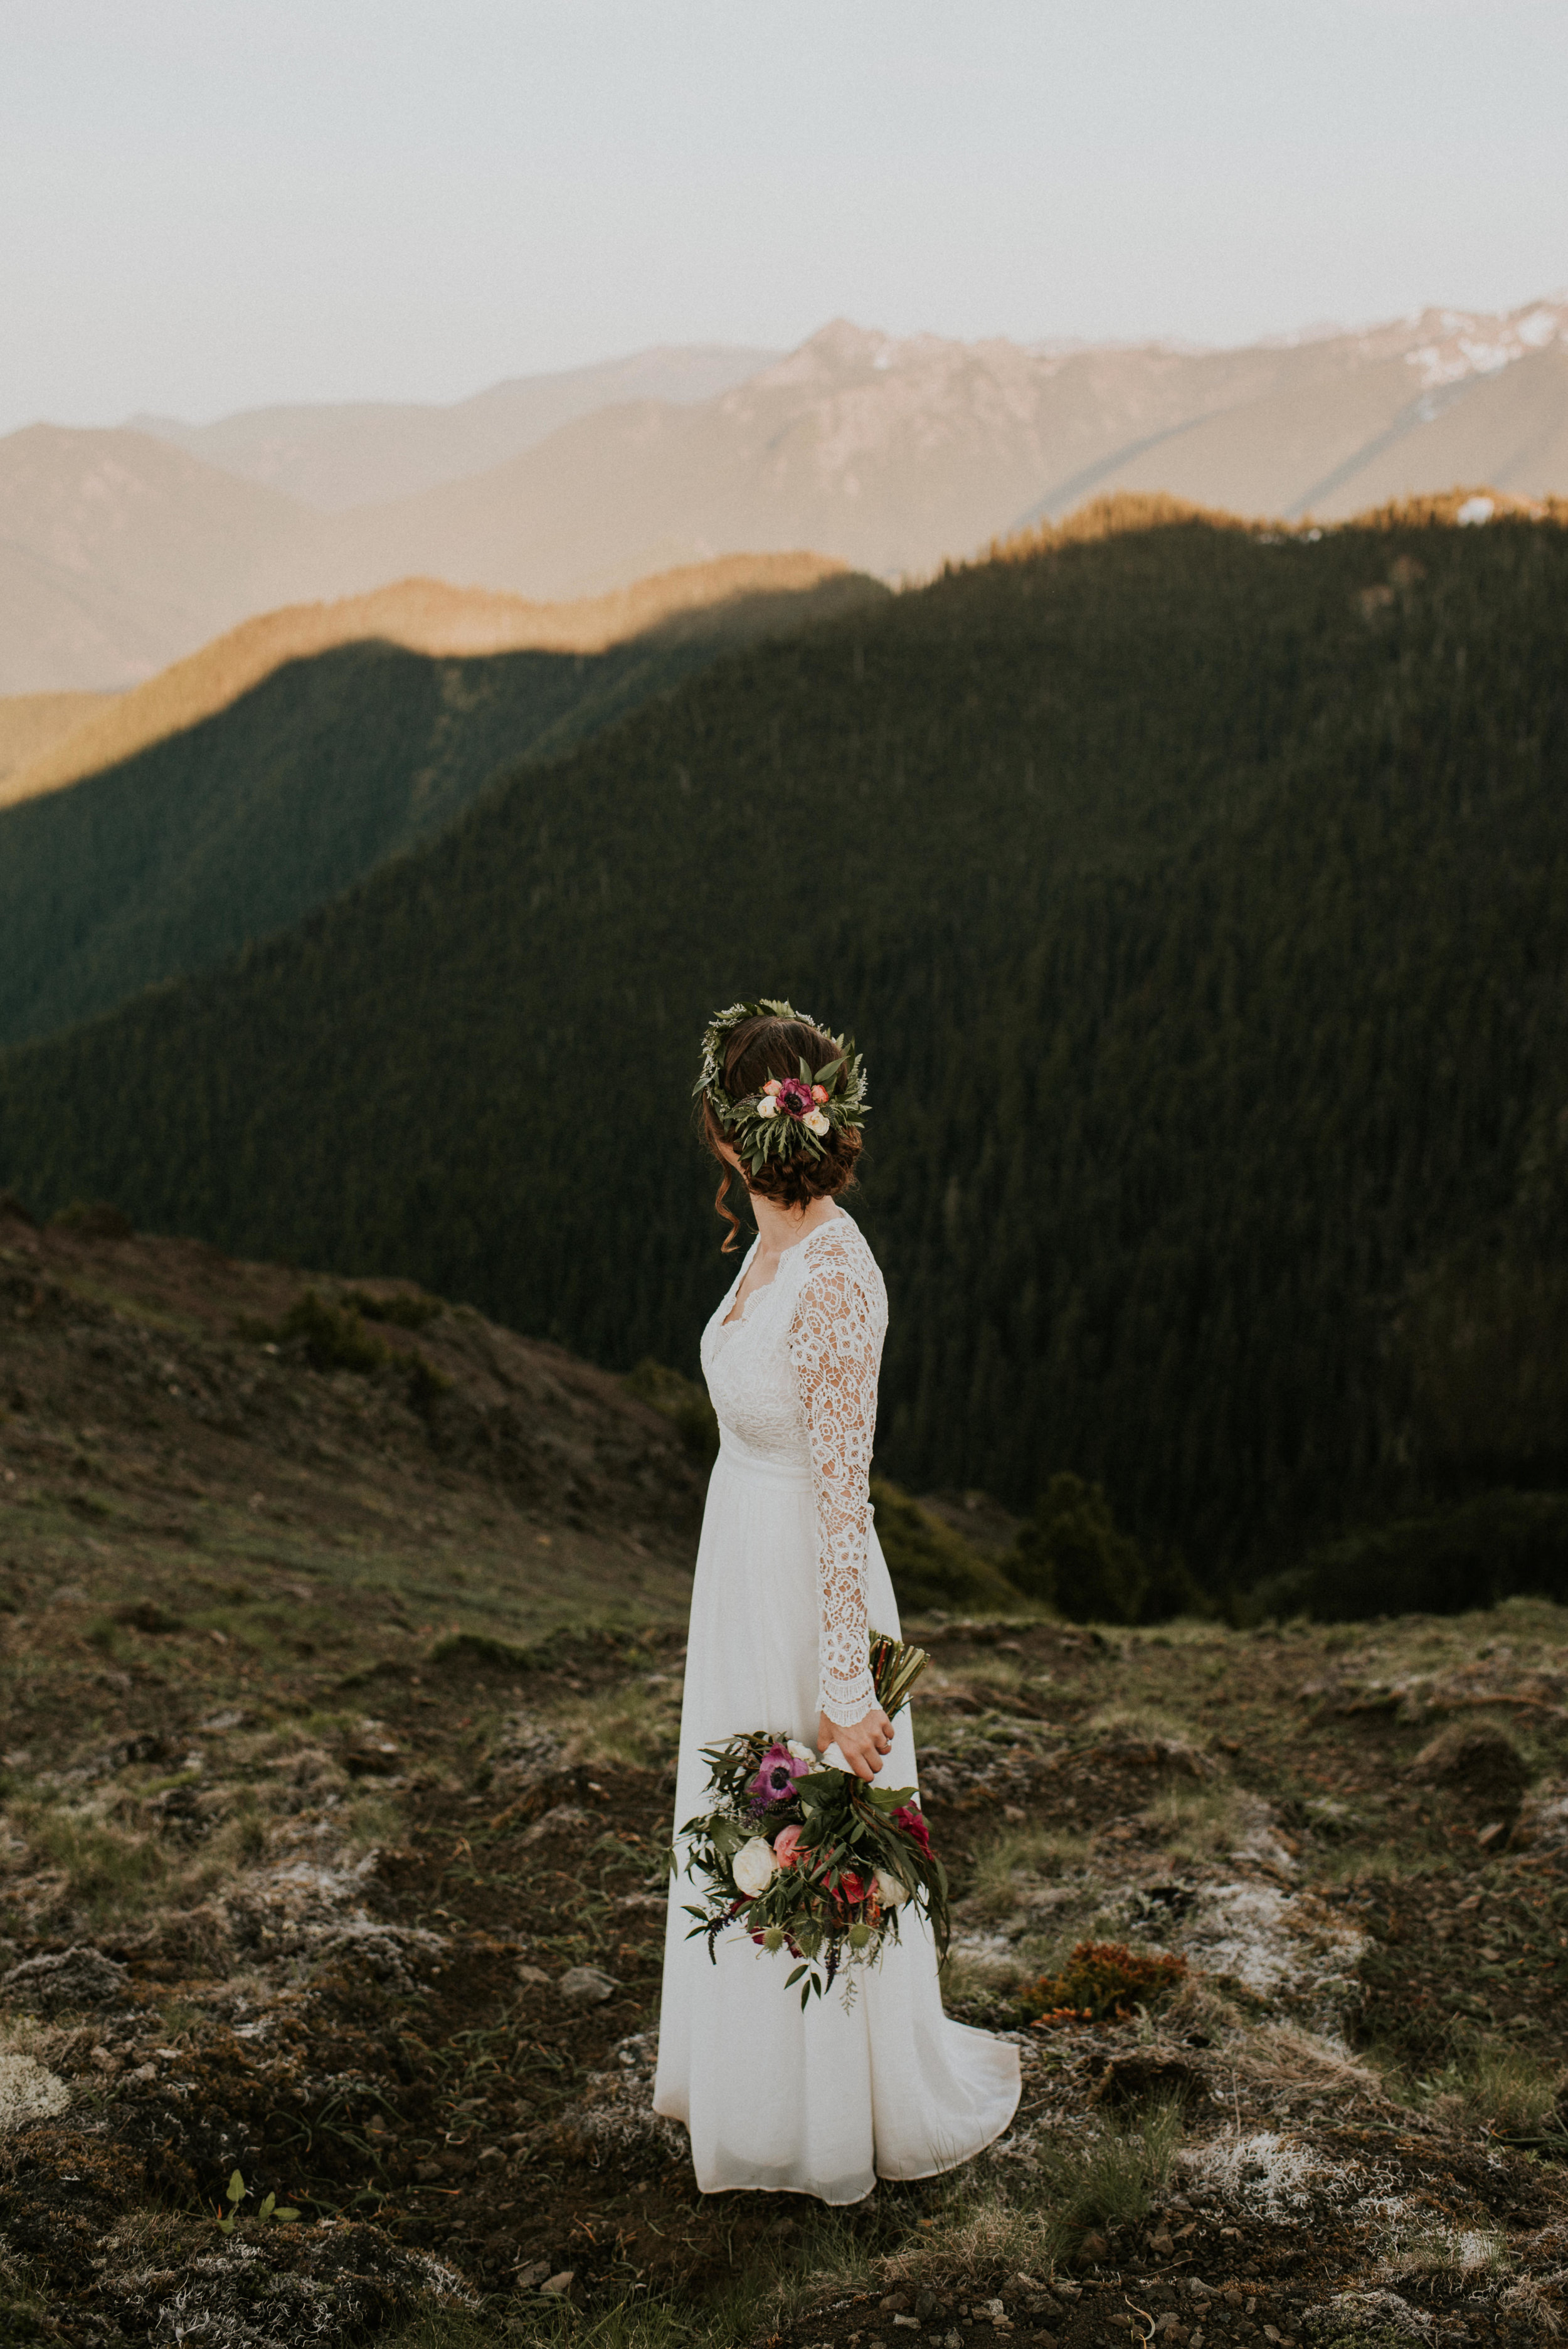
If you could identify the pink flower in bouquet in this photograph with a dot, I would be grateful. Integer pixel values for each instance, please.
(786, 1843)
(912, 1822)
(776, 1776)
(794, 1097)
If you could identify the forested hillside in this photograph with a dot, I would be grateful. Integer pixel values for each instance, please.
(176, 857)
(1199, 897)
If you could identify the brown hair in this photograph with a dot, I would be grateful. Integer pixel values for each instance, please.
(757, 1050)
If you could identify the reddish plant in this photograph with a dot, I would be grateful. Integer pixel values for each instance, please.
(1102, 1981)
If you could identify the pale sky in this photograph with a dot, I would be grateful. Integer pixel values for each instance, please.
(209, 204)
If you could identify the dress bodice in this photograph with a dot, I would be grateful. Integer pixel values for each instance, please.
(794, 1386)
(752, 1379)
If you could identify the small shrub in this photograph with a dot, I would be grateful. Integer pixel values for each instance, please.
(482, 1648)
(681, 1400)
(1036, 1851)
(95, 1219)
(403, 1312)
(1497, 1546)
(1102, 1981)
(426, 1384)
(1196, 1823)
(106, 1874)
(236, 2192)
(147, 1614)
(1105, 2179)
(930, 1564)
(1504, 2089)
(335, 1338)
(1071, 1557)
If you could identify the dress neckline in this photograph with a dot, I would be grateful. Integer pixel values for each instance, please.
(733, 1321)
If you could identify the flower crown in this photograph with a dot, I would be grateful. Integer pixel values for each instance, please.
(788, 1114)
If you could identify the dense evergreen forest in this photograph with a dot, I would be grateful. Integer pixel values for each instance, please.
(174, 859)
(1200, 898)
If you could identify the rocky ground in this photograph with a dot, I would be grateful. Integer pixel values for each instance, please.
(339, 1710)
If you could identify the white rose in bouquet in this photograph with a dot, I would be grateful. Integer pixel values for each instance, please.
(755, 1867)
(798, 1753)
(892, 1890)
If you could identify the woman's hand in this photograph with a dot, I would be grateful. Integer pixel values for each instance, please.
(864, 1745)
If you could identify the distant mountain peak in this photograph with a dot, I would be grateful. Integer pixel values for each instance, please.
(1458, 344)
(119, 553)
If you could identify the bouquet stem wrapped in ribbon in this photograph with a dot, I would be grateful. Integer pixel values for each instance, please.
(812, 1859)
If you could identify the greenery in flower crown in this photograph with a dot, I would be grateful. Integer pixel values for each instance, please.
(788, 1114)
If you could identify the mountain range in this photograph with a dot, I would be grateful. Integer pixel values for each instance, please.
(50, 740)
(362, 452)
(1197, 891)
(122, 550)
(256, 780)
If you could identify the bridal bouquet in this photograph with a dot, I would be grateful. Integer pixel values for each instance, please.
(809, 1859)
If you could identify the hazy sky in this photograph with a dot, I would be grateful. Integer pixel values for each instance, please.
(207, 204)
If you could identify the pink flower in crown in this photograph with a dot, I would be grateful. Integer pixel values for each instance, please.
(794, 1097)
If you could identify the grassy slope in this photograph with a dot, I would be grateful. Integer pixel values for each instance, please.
(89, 733)
(1199, 900)
(160, 1447)
(233, 822)
(379, 1856)
(33, 724)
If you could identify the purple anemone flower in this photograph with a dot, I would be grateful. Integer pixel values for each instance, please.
(776, 1776)
(794, 1097)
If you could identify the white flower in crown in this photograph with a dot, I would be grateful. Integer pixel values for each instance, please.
(768, 1106)
(817, 1123)
(755, 1866)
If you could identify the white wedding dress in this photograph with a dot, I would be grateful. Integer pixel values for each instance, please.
(788, 1574)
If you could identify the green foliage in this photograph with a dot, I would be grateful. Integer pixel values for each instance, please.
(236, 2193)
(930, 1564)
(332, 1337)
(481, 1647)
(94, 1219)
(1494, 1545)
(680, 1399)
(403, 1312)
(1482, 1336)
(1072, 1558)
(236, 826)
(426, 1384)
(1204, 936)
(1105, 2178)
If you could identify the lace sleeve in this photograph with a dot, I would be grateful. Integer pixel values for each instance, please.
(835, 1344)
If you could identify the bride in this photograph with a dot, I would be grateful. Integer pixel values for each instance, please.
(789, 1577)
